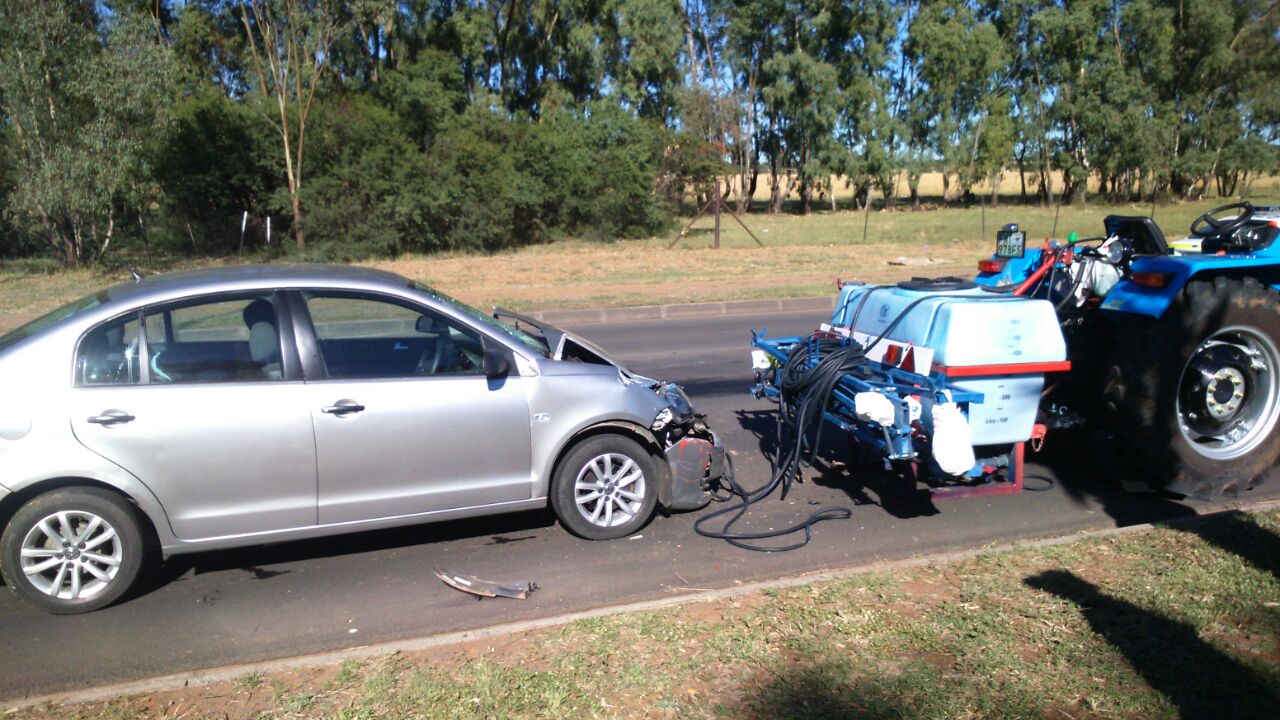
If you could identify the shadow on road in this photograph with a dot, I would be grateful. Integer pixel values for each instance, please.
(842, 466)
(1082, 468)
(1167, 653)
(499, 529)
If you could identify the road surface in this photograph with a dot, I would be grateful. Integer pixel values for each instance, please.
(262, 603)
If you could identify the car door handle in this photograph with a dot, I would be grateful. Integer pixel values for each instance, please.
(111, 417)
(342, 407)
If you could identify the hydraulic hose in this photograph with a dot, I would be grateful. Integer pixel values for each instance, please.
(805, 394)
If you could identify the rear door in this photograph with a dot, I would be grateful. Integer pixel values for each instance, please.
(405, 420)
(204, 413)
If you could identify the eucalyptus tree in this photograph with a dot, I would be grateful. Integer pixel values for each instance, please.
(860, 41)
(83, 93)
(962, 67)
(288, 54)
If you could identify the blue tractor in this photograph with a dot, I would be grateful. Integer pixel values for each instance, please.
(1173, 348)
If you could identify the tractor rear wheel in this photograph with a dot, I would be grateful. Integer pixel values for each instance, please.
(1195, 395)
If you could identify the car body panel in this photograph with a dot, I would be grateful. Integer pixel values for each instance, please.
(224, 458)
(305, 472)
(420, 445)
(570, 398)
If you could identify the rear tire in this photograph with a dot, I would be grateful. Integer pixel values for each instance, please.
(1195, 396)
(72, 550)
(605, 488)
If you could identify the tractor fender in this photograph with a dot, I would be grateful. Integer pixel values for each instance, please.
(1130, 298)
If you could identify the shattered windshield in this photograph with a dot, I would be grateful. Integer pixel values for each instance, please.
(492, 323)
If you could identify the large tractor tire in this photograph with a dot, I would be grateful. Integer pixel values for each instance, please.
(1194, 396)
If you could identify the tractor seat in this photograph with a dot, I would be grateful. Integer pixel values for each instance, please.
(1142, 231)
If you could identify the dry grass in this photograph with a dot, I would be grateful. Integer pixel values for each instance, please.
(801, 256)
(1010, 186)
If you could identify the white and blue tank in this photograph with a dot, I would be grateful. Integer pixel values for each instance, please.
(979, 337)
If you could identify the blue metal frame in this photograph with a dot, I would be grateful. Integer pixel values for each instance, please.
(895, 442)
(1130, 298)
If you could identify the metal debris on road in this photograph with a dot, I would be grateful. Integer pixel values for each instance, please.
(485, 588)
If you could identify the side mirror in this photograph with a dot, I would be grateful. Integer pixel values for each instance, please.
(495, 363)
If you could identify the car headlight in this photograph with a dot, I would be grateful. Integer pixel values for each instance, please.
(663, 419)
(681, 408)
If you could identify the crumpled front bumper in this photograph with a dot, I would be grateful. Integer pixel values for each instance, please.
(697, 463)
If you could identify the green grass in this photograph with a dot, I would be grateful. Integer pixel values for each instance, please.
(1181, 621)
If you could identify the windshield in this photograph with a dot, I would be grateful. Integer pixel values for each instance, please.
(486, 320)
(53, 318)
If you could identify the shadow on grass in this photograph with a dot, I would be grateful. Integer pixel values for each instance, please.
(821, 691)
(1238, 533)
(840, 690)
(1169, 655)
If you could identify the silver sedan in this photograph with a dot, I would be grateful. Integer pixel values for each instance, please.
(241, 406)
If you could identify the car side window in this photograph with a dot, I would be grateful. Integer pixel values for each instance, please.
(362, 337)
(110, 354)
(217, 340)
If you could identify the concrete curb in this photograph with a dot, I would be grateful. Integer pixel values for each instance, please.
(366, 652)
(686, 310)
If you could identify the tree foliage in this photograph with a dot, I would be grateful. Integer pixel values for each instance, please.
(386, 126)
(83, 97)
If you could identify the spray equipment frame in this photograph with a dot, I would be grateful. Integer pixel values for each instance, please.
(904, 438)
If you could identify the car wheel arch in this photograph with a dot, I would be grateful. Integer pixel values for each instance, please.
(10, 503)
(638, 433)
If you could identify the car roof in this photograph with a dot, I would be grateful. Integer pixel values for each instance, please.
(177, 285)
(232, 276)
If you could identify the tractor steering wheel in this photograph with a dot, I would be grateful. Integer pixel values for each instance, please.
(1225, 226)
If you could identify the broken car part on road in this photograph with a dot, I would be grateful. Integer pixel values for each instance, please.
(486, 588)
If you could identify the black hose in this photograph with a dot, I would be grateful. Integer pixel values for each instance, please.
(805, 395)
(1049, 482)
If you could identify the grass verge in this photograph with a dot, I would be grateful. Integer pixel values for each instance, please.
(801, 256)
(1180, 621)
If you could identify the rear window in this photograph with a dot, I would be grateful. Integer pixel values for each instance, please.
(47, 321)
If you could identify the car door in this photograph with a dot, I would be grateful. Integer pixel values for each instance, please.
(203, 412)
(405, 420)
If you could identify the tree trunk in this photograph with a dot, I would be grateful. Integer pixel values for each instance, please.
(748, 196)
(1022, 180)
(775, 188)
(298, 238)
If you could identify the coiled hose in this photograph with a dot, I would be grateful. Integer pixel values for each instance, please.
(805, 394)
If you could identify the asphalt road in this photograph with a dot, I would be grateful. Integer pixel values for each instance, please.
(262, 603)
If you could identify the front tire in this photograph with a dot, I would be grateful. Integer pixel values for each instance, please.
(1195, 396)
(605, 488)
(72, 551)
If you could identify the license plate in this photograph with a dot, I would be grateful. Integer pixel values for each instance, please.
(1011, 244)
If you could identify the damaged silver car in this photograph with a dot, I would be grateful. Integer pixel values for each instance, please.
(241, 406)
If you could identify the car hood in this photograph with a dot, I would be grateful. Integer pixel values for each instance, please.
(571, 347)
